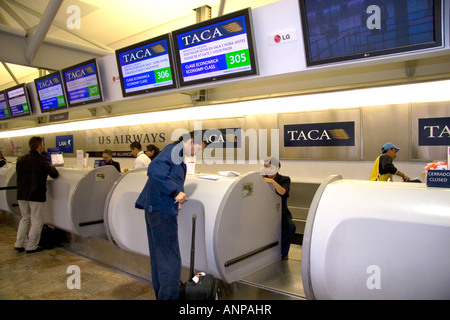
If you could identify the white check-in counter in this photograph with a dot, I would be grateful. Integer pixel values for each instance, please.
(76, 199)
(377, 240)
(238, 222)
(8, 184)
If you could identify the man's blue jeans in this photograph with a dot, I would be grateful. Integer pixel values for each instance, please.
(165, 259)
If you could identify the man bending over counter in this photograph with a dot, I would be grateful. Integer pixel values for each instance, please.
(161, 198)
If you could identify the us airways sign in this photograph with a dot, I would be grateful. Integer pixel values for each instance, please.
(331, 134)
(434, 132)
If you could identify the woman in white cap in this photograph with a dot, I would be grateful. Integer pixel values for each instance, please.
(383, 168)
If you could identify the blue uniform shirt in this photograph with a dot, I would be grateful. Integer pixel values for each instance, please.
(166, 176)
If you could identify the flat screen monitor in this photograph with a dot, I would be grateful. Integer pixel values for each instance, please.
(18, 101)
(358, 29)
(50, 92)
(82, 83)
(216, 49)
(4, 111)
(146, 66)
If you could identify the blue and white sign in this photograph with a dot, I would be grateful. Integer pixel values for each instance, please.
(438, 178)
(333, 134)
(65, 143)
(146, 67)
(50, 92)
(215, 50)
(82, 84)
(434, 132)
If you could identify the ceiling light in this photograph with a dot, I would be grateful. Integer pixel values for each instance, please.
(399, 94)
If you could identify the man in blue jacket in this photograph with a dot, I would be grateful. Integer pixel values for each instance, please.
(161, 198)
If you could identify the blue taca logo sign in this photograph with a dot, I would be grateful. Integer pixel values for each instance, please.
(65, 143)
(434, 132)
(331, 134)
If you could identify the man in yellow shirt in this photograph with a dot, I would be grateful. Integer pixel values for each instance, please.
(383, 168)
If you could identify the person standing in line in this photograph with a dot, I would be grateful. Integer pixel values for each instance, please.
(161, 198)
(282, 185)
(383, 169)
(141, 161)
(32, 172)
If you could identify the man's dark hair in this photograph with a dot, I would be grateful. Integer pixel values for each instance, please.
(197, 135)
(136, 144)
(35, 142)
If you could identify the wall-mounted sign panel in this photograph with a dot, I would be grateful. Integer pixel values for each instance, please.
(430, 131)
(321, 135)
(82, 83)
(343, 30)
(18, 101)
(216, 49)
(331, 134)
(4, 111)
(147, 66)
(50, 92)
(434, 132)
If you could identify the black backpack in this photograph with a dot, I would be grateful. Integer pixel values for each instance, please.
(48, 237)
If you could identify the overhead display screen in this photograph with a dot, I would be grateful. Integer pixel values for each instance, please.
(50, 92)
(18, 101)
(82, 83)
(216, 49)
(147, 66)
(344, 30)
(4, 111)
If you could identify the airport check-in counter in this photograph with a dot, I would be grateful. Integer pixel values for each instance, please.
(8, 192)
(377, 240)
(76, 199)
(238, 222)
(301, 195)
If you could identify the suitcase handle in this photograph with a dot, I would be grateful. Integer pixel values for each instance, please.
(191, 269)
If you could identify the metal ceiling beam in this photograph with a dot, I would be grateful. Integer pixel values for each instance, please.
(202, 13)
(40, 32)
(10, 72)
(14, 15)
(221, 8)
(62, 27)
(53, 54)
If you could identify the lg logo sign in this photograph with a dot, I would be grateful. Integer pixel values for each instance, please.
(282, 37)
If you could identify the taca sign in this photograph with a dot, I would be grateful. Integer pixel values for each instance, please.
(434, 132)
(320, 134)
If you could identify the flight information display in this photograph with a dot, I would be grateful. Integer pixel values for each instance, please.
(50, 92)
(344, 30)
(18, 101)
(4, 111)
(146, 66)
(216, 49)
(82, 83)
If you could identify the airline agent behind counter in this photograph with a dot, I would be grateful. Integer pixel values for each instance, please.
(141, 161)
(383, 168)
(281, 185)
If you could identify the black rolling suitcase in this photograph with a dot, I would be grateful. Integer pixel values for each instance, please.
(203, 286)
